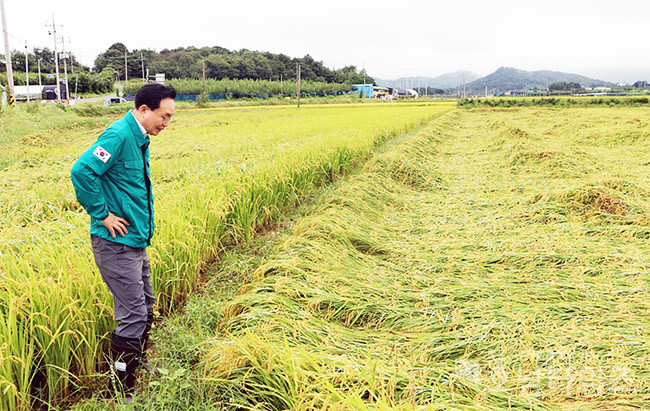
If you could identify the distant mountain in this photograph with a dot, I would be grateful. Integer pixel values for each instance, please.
(509, 79)
(453, 80)
(443, 81)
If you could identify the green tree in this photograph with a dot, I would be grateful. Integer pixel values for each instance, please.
(219, 66)
(222, 63)
(564, 86)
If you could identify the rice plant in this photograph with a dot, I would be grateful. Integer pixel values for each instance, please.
(219, 176)
(448, 276)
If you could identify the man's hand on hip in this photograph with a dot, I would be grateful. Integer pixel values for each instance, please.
(115, 223)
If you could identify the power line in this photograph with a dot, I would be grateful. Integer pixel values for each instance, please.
(12, 36)
(27, 22)
(27, 13)
(19, 40)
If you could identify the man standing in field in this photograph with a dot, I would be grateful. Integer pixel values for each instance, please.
(112, 182)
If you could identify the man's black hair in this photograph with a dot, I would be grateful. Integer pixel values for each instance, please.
(151, 94)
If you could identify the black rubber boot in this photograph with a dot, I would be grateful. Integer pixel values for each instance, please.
(125, 358)
(146, 345)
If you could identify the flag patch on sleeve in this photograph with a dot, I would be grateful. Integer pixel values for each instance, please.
(102, 154)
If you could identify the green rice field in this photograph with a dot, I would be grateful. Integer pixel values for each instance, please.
(449, 258)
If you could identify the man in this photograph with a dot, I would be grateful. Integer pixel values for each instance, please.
(112, 182)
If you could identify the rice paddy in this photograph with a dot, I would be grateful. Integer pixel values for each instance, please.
(496, 259)
(219, 176)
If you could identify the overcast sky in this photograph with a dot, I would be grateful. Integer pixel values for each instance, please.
(608, 40)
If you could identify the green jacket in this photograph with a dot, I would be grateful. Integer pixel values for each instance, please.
(113, 175)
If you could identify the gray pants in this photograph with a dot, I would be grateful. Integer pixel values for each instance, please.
(125, 271)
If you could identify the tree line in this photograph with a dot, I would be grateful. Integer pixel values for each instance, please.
(564, 86)
(227, 88)
(118, 63)
(220, 63)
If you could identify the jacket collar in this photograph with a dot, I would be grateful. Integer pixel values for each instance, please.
(135, 129)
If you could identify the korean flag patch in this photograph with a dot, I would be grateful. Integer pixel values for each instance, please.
(102, 154)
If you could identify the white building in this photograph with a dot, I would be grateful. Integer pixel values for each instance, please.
(35, 92)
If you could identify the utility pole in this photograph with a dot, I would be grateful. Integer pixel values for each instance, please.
(65, 69)
(142, 61)
(203, 76)
(39, 74)
(464, 91)
(10, 73)
(298, 84)
(363, 91)
(281, 91)
(27, 70)
(126, 69)
(57, 89)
